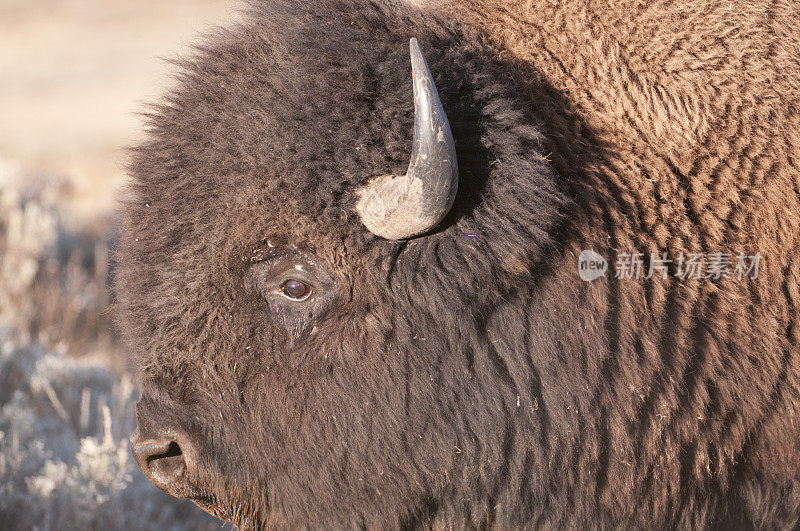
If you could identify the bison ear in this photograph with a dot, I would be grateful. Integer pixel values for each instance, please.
(400, 207)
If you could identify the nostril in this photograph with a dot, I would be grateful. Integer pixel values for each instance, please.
(173, 450)
(164, 463)
(168, 468)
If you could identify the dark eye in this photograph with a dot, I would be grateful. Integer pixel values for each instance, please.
(295, 290)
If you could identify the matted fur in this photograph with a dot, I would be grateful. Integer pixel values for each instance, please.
(469, 377)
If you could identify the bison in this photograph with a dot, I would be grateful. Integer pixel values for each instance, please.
(350, 277)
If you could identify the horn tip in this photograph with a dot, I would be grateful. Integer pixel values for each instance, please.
(415, 49)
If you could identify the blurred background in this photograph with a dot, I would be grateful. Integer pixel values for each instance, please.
(73, 75)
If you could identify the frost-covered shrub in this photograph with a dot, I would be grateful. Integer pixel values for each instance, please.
(64, 458)
(66, 397)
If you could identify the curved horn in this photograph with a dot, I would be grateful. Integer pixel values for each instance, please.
(399, 207)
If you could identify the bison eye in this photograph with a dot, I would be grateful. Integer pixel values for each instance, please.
(295, 290)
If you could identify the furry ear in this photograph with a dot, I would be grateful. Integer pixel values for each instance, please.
(399, 207)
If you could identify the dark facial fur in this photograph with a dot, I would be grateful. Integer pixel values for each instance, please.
(466, 377)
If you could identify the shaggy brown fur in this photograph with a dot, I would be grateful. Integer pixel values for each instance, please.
(470, 377)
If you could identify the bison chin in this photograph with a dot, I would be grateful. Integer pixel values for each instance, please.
(242, 515)
(239, 500)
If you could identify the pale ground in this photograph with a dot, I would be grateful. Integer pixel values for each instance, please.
(73, 73)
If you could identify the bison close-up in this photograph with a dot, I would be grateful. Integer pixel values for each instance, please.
(532, 264)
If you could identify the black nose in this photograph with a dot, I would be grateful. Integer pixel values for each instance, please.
(163, 460)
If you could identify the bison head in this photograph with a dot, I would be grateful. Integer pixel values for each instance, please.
(314, 317)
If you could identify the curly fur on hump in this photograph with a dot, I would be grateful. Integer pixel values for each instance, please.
(469, 377)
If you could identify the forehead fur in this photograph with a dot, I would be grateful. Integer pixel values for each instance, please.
(273, 127)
